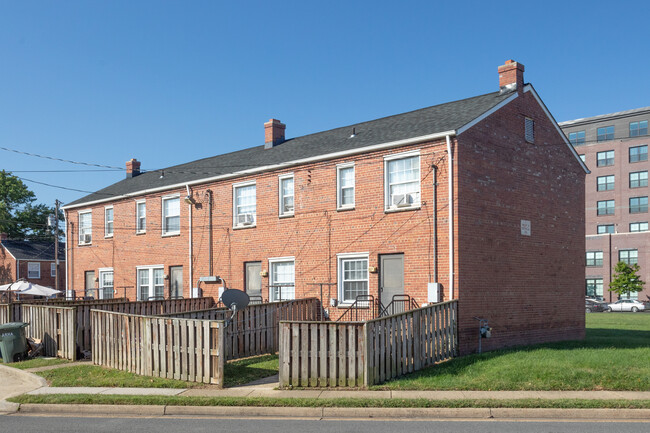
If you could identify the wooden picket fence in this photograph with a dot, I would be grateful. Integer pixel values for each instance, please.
(5, 314)
(184, 349)
(55, 326)
(16, 306)
(254, 330)
(326, 354)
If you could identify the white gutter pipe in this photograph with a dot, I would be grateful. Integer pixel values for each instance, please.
(451, 219)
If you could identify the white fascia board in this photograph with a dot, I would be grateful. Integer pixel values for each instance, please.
(529, 88)
(7, 249)
(487, 113)
(287, 164)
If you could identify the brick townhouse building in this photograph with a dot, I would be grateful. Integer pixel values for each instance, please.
(471, 200)
(32, 261)
(615, 148)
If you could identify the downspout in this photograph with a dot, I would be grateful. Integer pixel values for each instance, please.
(435, 224)
(189, 209)
(210, 231)
(451, 219)
(68, 294)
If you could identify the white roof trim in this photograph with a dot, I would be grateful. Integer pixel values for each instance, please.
(529, 88)
(5, 247)
(334, 155)
(487, 113)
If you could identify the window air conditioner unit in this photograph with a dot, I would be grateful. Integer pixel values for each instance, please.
(245, 219)
(87, 238)
(402, 200)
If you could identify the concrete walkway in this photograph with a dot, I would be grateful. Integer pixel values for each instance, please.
(15, 382)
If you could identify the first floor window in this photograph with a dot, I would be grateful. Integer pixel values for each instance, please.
(171, 217)
(629, 295)
(639, 227)
(606, 228)
(628, 256)
(402, 178)
(638, 204)
(639, 153)
(577, 137)
(353, 277)
(34, 270)
(108, 221)
(606, 207)
(151, 283)
(282, 279)
(52, 269)
(106, 284)
(244, 204)
(638, 179)
(141, 217)
(594, 287)
(85, 227)
(603, 159)
(594, 258)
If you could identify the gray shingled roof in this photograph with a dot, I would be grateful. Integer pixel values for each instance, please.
(33, 250)
(439, 118)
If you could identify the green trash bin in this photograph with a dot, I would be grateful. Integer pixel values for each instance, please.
(13, 343)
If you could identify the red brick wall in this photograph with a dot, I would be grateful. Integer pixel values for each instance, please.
(7, 267)
(530, 288)
(8, 271)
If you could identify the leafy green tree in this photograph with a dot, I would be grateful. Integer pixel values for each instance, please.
(626, 279)
(20, 217)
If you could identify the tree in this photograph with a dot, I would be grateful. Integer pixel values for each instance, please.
(20, 217)
(626, 279)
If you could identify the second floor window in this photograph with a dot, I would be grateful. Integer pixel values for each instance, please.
(639, 153)
(638, 179)
(141, 217)
(605, 228)
(108, 221)
(577, 138)
(603, 159)
(639, 227)
(606, 207)
(628, 256)
(345, 186)
(245, 205)
(638, 128)
(605, 133)
(402, 177)
(171, 215)
(605, 183)
(286, 195)
(638, 204)
(85, 228)
(594, 258)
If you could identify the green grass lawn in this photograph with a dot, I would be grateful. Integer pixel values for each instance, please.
(615, 355)
(236, 373)
(37, 362)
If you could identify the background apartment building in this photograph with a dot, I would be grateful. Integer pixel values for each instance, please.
(615, 148)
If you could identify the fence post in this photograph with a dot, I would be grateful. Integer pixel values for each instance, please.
(367, 355)
(217, 353)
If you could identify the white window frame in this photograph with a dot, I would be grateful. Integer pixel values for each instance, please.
(108, 234)
(339, 186)
(36, 269)
(138, 216)
(387, 197)
(639, 226)
(151, 286)
(282, 212)
(83, 231)
(163, 199)
(340, 259)
(100, 288)
(52, 269)
(235, 213)
(284, 295)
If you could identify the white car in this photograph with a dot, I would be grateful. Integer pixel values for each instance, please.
(627, 305)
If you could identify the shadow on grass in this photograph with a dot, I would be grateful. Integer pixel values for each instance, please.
(247, 370)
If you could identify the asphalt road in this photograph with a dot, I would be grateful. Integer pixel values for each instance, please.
(40, 424)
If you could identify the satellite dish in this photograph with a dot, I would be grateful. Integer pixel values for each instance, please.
(235, 300)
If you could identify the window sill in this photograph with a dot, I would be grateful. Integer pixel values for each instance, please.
(344, 209)
(401, 209)
(244, 227)
(169, 235)
(287, 215)
(141, 233)
(108, 237)
(85, 244)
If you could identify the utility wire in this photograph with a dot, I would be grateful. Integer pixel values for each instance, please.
(36, 155)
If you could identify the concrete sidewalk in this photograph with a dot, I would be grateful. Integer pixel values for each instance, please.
(16, 382)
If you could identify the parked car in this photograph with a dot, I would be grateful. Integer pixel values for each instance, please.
(595, 306)
(626, 305)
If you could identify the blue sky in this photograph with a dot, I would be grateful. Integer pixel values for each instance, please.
(173, 81)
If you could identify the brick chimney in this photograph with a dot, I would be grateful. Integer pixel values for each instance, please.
(273, 133)
(4, 236)
(511, 76)
(132, 168)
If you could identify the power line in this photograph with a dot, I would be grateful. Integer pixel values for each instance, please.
(36, 155)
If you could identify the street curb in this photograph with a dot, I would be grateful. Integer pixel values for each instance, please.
(336, 413)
